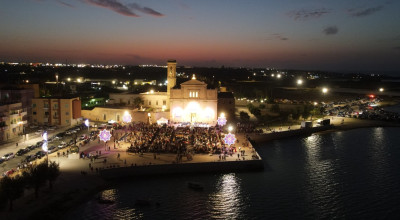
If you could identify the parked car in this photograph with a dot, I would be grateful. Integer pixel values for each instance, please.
(40, 154)
(9, 172)
(21, 152)
(52, 149)
(30, 158)
(8, 156)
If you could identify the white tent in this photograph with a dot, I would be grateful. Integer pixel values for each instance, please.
(162, 120)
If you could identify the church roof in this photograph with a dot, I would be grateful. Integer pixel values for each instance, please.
(194, 82)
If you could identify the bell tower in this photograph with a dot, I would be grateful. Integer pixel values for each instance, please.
(171, 75)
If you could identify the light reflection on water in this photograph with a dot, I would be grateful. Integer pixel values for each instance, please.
(226, 202)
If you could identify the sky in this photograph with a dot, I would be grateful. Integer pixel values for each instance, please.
(331, 35)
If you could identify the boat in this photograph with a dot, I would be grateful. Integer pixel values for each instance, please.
(195, 186)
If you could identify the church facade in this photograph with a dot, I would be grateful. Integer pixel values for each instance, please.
(194, 103)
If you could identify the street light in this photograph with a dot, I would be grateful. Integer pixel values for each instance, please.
(324, 90)
(44, 145)
(87, 124)
(299, 82)
(381, 89)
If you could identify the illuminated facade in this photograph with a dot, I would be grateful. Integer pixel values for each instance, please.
(194, 103)
(190, 101)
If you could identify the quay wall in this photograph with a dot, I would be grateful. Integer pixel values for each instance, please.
(260, 138)
(183, 168)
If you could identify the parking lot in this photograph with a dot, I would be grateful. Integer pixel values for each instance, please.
(15, 156)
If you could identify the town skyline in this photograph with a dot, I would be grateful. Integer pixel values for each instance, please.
(313, 35)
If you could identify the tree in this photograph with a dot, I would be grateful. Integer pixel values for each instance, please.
(137, 102)
(261, 106)
(296, 114)
(36, 176)
(244, 116)
(52, 173)
(307, 111)
(250, 107)
(12, 188)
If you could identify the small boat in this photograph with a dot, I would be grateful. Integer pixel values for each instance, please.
(142, 202)
(195, 186)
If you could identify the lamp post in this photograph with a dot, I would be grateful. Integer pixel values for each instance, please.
(87, 124)
(44, 145)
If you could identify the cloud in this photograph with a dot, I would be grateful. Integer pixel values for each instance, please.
(124, 9)
(278, 37)
(65, 4)
(145, 10)
(302, 15)
(331, 30)
(113, 5)
(361, 12)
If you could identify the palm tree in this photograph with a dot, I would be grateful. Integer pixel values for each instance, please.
(12, 188)
(52, 173)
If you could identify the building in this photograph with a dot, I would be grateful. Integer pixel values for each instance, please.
(226, 105)
(12, 120)
(115, 113)
(193, 102)
(24, 94)
(61, 111)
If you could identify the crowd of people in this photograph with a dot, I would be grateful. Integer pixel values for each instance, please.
(144, 138)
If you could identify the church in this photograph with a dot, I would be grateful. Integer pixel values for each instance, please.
(189, 102)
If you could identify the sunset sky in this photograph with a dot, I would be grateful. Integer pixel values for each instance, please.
(336, 35)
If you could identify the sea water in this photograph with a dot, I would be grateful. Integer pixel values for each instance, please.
(347, 174)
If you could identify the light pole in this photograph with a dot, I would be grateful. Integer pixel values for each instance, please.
(44, 145)
(87, 124)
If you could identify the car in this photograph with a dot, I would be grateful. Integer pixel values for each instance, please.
(30, 147)
(30, 158)
(52, 149)
(8, 156)
(1, 160)
(40, 154)
(9, 172)
(61, 146)
(21, 152)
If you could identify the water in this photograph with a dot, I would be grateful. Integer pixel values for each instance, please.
(353, 174)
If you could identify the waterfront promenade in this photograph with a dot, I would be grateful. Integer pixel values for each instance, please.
(79, 180)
